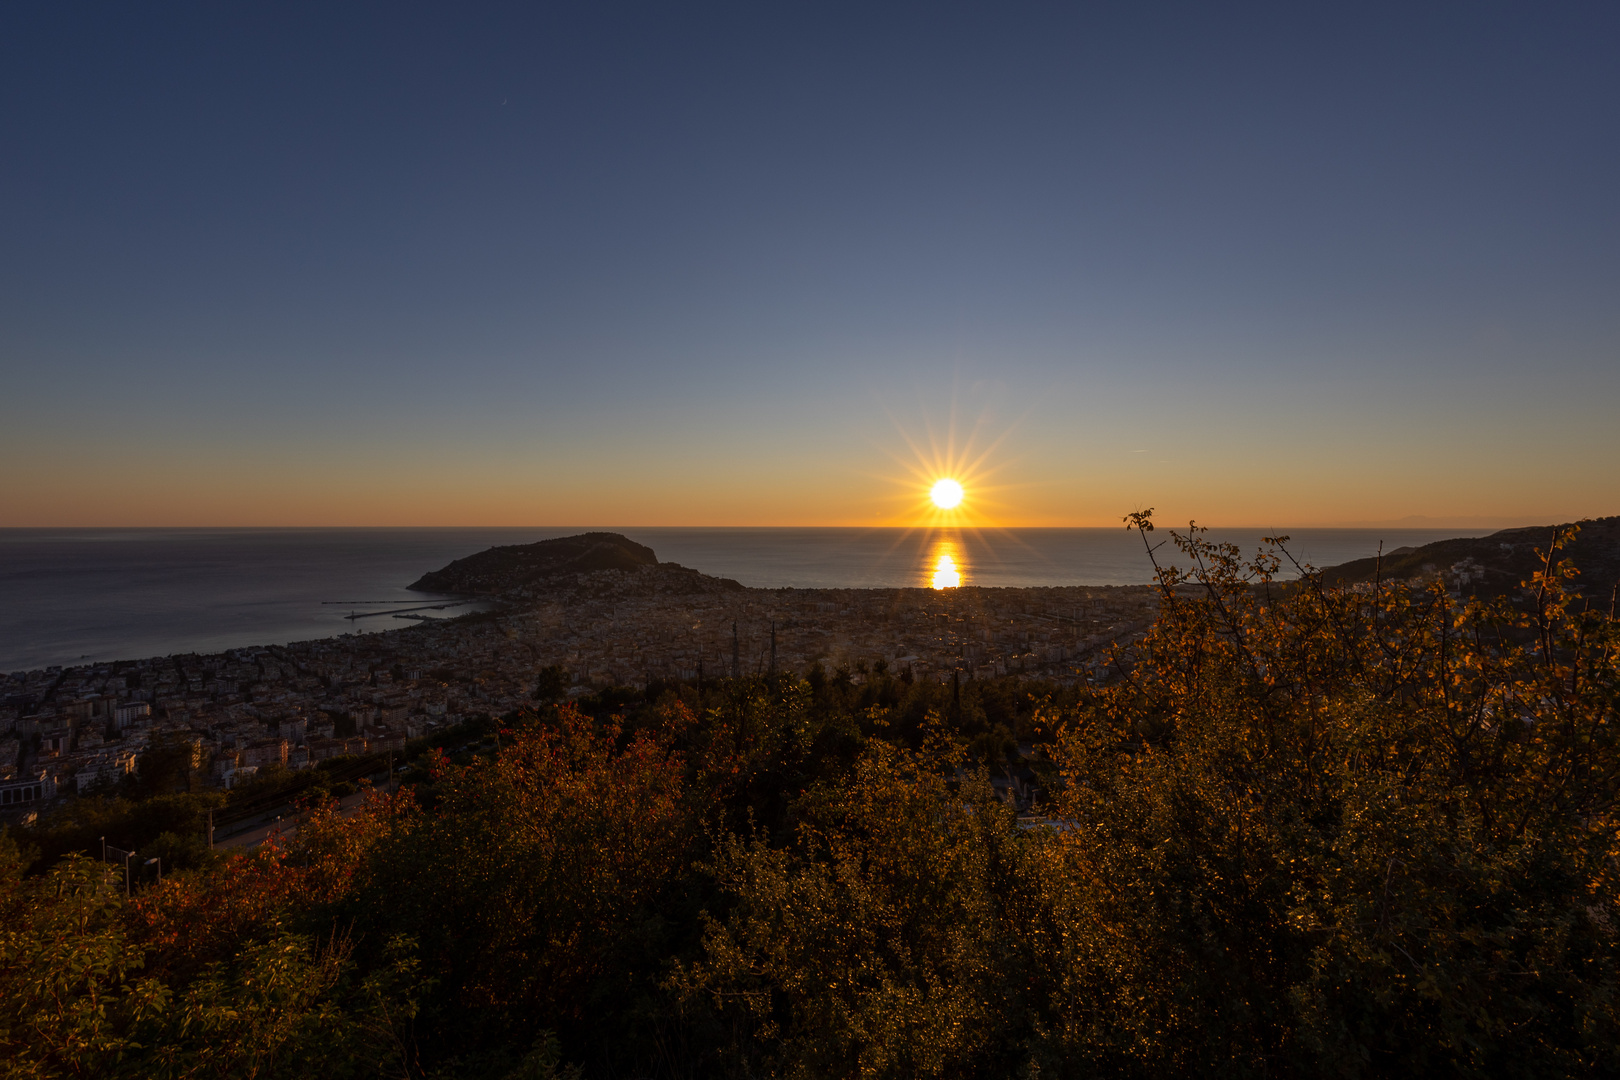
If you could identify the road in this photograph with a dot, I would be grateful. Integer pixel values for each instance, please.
(252, 838)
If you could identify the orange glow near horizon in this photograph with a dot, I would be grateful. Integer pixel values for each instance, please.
(945, 477)
(878, 475)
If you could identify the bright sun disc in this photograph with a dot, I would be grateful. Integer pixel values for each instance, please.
(947, 494)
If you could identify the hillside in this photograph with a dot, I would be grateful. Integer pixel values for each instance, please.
(1495, 565)
(500, 569)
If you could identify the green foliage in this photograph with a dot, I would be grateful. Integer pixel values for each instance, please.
(552, 683)
(286, 1005)
(544, 1062)
(271, 782)
(873, 944)
(65, 958)
(165, 767)
(1347, 829)
(533, 874)
(131, 824)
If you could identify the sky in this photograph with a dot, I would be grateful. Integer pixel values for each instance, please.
(784, 264)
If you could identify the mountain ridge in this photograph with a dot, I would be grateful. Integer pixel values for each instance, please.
(1497, 564)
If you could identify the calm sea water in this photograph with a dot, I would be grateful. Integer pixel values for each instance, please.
(72, 596)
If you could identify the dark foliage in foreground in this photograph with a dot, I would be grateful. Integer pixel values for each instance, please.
(1306, 832)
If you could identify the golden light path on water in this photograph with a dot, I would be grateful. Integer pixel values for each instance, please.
(945, 558)
(947, 490)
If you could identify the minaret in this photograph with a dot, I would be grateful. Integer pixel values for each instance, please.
(736, 656)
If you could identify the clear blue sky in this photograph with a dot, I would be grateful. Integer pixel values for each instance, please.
(671, 264)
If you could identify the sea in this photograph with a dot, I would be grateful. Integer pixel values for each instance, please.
(81, 596)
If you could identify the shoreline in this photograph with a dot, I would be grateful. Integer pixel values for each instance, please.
(78, 727)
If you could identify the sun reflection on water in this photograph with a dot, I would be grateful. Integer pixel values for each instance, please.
(945, 558)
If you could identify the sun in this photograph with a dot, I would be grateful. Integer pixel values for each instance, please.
(947, 494)
(946, 478)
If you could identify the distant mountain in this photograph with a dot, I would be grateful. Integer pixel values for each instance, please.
(1495, 565)
(502, 568)
(1422, 521)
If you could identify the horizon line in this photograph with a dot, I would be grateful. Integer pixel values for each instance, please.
(1409, 522)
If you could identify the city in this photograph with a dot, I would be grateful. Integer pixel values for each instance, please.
(72, 730)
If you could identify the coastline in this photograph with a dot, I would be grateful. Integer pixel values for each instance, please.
(104, 596)
(298, 704)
